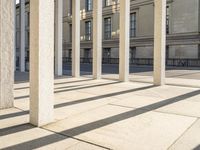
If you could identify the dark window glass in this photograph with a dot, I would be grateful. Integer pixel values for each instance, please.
(167, 20)
(107, 28)
(88, 30)
(133, 25)
(88, 4)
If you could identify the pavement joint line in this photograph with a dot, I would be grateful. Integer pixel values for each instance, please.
(197, 119)
(164, 112)
(78, 139)
(18, 108)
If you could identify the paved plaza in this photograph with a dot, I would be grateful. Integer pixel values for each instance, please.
(106, 114)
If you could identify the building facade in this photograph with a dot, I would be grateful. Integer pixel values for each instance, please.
(182, 28)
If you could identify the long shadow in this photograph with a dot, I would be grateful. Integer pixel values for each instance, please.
(15, 129)
(77, 102)
(197, 148)
(36, 143)
(22, 88)
(85, 87)
(67, 90)
(101, 96)
(73, 81)
(11, 115)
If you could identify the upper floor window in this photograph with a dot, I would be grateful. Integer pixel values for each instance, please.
(133, 25)
(70, 7)
(88, 30)
(167, 20)
(70, 32)
(107, 28)
(107, 3)
(88, 4)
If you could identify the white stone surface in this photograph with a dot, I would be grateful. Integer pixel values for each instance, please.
(121, 128)
(97, 39)
(190, 140)
(6, 53)
(76, 38)
(41, 68)
(124, 46)
(59, 37)
(159, 41)
(22, 35)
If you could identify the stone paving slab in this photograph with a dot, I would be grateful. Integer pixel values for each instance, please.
(187, 104)
(12, 117)
(34, 138)
(190, 140)
(105, 112)
(123, 128)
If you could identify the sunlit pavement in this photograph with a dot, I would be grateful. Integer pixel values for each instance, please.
(106, 114)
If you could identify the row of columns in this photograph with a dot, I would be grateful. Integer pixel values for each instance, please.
(42, 44)
(58, 36)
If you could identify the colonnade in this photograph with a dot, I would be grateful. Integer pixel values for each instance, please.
(42, 50)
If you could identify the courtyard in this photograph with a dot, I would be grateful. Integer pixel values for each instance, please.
(105, 114)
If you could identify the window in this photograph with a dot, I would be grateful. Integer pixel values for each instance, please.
(167, 20)
(27, 19)
(88, 30)
(107, 28)
(87, 53)
(106, 53)
(167, 52)
(70, 33)
(133, 25)
(107, 3)
(70, 53)
(132, 53)
(88, 4)
(70, 7)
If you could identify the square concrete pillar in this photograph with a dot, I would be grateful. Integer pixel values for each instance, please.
(97, 39)
(22, 35)
(59, 38)
(124, 44)
(159, 41)
(6, 53)
(75, 38)
(41, 61)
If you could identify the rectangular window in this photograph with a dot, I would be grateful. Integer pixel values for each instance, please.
(87, 53)
(106, 53)
(107, 3)
(70, 33)
(167, 20)
(107, 28)
(70, 7)
(88, 30)
(133, 25)
(132, 53)
(88, 4)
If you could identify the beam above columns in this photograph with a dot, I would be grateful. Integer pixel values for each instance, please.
(97, 39)
(41, 61)
(75, 38)
(6, 53)
(59, 38)
(124, 40)
(159, 41)
(22, 35)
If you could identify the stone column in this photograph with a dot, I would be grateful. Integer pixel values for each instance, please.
(6, 53)
(41, 61)
(59, 38)
(97, 39)
(159, 41)
(124, 40)
(75, 38)
(15, 51)
(22, 35)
